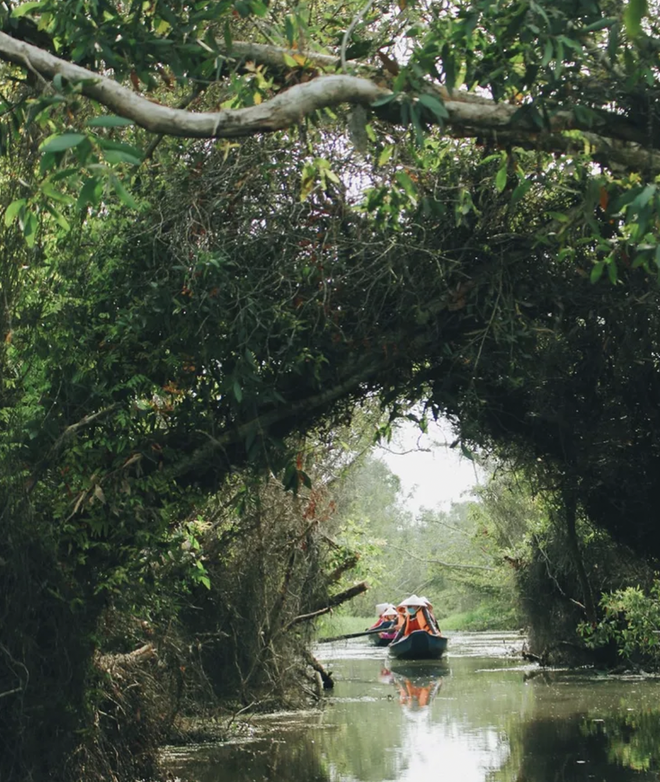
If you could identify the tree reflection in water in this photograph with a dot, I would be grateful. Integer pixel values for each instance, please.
(622, 747)
(291, 758)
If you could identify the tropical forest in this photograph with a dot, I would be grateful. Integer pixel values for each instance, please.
(243, 243)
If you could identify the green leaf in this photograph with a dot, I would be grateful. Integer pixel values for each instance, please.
(258, 8)
(109, 121)
(48, 190)
(548, 51)
(13, 210)
(601, 24)
(384, 100)
(406, 183)
(65, 173)
(238, 391)
(62, 143)
(119, 146)
(434, 105)
(635, 11)
(520, 191)
(125, 197)
(597, 271)
(90, 193)
(30, 225)
(25, 9)
(385, 154)
(243, 8)
(308, 180)
(612, 270)
(643, 198)
(613, 42)
(59, 217)
(656, 257)
(501, 178)
(119, 156)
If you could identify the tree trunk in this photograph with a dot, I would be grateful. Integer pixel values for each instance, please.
(570, 518)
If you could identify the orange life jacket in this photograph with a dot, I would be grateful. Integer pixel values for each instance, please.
(417, 622)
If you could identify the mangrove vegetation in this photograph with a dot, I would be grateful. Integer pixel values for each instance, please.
(241, 240)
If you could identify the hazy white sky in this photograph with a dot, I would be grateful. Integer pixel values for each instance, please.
(432, 474)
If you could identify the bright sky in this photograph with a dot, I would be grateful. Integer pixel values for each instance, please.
(432, 474)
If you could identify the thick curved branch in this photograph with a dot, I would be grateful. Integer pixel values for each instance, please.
(280, 112)
(613, 143)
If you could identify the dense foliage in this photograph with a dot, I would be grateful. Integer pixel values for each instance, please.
(178, 312)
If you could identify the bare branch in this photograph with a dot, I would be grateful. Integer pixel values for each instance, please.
(452, 565)
(10, 692)
(274, 56)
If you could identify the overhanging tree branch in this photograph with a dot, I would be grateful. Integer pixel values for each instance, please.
(280, 112)
(608, 137)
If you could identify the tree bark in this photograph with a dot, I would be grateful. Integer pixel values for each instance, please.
(611, 140)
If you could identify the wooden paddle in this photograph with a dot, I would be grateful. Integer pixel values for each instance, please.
(354, 635)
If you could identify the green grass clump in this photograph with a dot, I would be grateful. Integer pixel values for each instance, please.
(480, 618)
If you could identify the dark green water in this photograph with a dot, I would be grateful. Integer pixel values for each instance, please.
(481, 715)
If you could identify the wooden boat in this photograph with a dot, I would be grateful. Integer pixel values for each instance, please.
(388, 634)
(383, 639)
(419, 645)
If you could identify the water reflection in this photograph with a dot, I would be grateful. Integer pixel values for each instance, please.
(622, 748)
(417, 686)
(478, 718)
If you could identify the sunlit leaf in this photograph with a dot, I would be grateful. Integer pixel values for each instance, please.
(501, 178)
(635, 11)
(13, 210)
(26, 8)
(61, 143)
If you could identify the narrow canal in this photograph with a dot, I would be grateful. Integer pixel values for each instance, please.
(480, 715)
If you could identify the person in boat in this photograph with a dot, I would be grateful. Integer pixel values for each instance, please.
(433, 620)
(416, 617)
(400, 617)
(387, 615)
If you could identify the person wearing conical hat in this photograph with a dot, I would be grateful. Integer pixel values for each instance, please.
(387, 616)
(417, 617)
(429, 608)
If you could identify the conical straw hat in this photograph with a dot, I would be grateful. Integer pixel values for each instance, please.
(413, 600)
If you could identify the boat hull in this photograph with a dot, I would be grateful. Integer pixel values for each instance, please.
(383, 639)
(419, 645)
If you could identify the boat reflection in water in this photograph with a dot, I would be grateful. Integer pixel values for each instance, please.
(417, 685)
